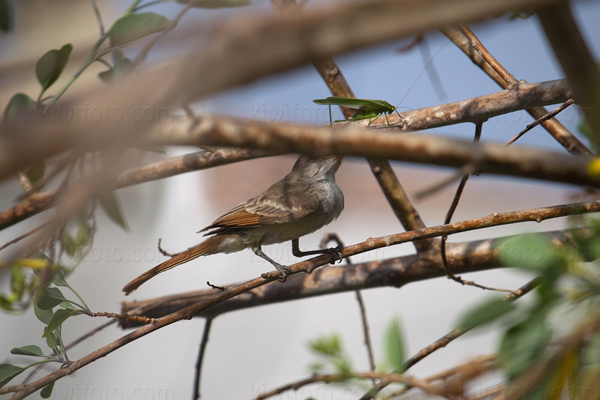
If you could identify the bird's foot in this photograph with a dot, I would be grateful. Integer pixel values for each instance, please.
(283, 269)
(335, 253)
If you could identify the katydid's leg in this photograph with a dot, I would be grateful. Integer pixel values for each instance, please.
(284, 269)
(386, 119)
(330, 118)
(402, 122)
(335, 252)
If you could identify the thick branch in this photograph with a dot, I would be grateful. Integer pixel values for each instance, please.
(462, 257)
(422, 149)
(395, 272)
(555, 128)
(240, 51)
(576, 60)
(371, 244)
(518, 97)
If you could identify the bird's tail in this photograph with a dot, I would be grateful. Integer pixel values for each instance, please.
(203, 248)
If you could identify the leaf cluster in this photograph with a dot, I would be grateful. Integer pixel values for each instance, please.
(52, 308)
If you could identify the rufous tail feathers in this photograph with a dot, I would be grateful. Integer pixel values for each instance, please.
(203, 248)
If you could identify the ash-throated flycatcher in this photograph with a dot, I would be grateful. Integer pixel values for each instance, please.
(307, 199)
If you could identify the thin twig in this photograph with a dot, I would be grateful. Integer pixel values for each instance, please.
(554, 128)
(487, 56)
(457, 332)
(361, 305)
(538, 121)
(442, 184)
(450, 213)
(205, 333)
(25, 235)
(445, 340)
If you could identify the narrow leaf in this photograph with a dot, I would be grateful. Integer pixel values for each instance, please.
(109, 203)
(68, 244)
(29, 350)
(19, 104)
(7, 372)
(59, 279)
(523, 344)
(6, 16)
(17, 281)
(46, 392)
(58, 318)
(136, 26)
(51, 65)
(395, 346)
(52, 342)
(485, 312)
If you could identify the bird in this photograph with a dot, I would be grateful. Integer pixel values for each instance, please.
(304, 201)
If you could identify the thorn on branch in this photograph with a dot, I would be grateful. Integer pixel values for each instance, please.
(219, 288)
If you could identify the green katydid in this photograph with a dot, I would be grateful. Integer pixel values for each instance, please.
(366, 109)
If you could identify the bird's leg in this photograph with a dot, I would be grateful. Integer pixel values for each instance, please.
(284, 269)
(335, 252)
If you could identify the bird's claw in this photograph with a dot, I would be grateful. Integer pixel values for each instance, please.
(285, 270)
(336, 254)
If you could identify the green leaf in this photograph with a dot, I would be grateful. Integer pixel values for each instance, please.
(60, 316)
(9, 371)
(59, 279)
(6, 16)
(395, 346)
(50, 298)
(329, 346)
(523, 344)
(36, 172)
(485, 312)
(122, 67)
(68, 244)
(530, 252)
(19, 104)
(136, 26)
(29, 350)
(17, 281)
(42, 314)
(47, 390)
(51, 65)
(217, 3)
(52, 342)
(109, 203)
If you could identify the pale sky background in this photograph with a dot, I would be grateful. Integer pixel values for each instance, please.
(254, 350)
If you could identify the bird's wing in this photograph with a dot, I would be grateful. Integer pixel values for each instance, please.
(279, 204)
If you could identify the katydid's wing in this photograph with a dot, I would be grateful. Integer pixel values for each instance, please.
(362, 104)
(365, 105)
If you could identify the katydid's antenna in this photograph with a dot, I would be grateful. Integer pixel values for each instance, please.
(423, 71)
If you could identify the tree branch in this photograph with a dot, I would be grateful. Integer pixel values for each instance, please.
(39, 202)
(422, 149)
(239, 51)
(396, 272)
(555, 128)
(576, 60)
(303, 266)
